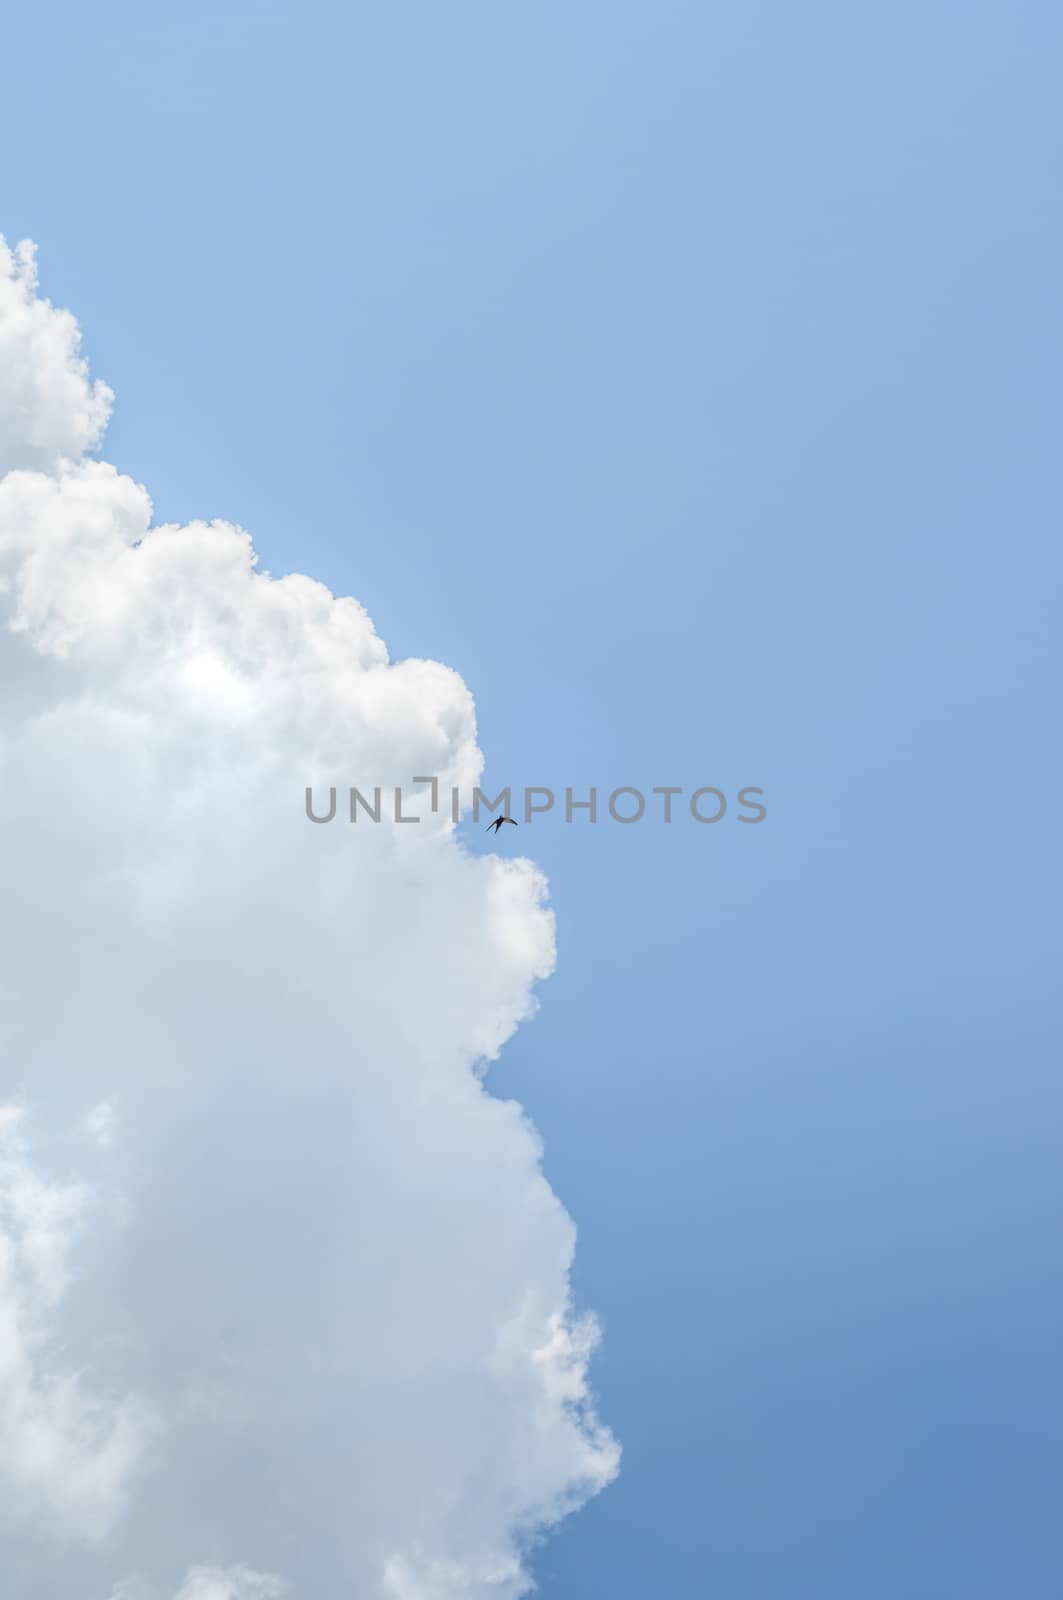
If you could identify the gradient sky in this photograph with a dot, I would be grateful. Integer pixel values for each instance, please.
(687, 377)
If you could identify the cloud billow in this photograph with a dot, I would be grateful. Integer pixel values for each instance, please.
(306, 1324)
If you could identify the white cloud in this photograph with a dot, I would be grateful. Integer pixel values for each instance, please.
(99, 1123)
(320, 1250)
(65, 1452)
(211, 1583)
(48, 407)
(228, 1583)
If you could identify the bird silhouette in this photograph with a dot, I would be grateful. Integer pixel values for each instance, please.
(496, 826)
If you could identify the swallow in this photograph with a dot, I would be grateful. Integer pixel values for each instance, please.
(497, 824)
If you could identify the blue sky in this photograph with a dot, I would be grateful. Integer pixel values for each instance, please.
(688, 378)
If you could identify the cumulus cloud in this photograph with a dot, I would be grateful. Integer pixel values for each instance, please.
(318, 1311)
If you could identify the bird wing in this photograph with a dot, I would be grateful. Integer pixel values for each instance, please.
(508, 819)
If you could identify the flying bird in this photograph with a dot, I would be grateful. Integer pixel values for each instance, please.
(497, 824)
